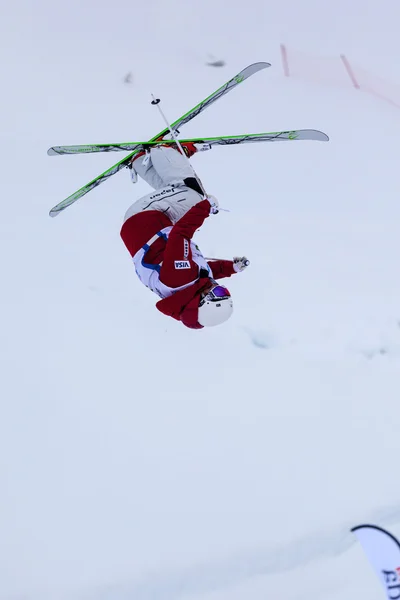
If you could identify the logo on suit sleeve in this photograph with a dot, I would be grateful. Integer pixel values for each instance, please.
(182, 264)
(185, 248)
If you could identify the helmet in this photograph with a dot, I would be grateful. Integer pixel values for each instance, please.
(215, 306)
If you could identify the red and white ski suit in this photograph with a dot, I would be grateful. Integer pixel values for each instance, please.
(158, 232)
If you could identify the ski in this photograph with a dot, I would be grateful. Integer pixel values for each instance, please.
(199, 108)
(224, 140)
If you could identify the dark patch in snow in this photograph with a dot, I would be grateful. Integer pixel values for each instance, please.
(382, 341)
(261, 339)
(375, 352)
(215, 62)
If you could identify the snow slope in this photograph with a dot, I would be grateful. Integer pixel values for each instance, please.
(142, 460)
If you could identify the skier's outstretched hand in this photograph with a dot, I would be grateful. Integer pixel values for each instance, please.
(214, 205)
(240, 263)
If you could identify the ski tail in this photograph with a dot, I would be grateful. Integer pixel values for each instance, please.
(89, 148)
(91, 185)
(232, 83)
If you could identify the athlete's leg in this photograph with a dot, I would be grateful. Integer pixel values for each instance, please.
(175, 201)
(162, 166)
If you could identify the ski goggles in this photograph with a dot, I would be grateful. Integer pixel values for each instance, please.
(219, 292)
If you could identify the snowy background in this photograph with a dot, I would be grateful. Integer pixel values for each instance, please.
(142, 460)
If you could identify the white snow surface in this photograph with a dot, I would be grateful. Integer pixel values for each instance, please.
(142, 460)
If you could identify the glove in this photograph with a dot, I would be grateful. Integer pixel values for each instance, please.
(239, 264)
(203, 147)
(214, 205)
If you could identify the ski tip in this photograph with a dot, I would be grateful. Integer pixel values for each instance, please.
(51, 151)
(251, 70)
(313, 134)
(261, 65)
(323, 136)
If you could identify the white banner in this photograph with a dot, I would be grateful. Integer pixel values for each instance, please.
(383, 552)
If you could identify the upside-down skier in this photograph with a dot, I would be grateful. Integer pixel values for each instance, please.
(158, 230)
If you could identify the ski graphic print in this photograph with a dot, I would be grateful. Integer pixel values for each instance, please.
(225, 140)
(227, 87)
